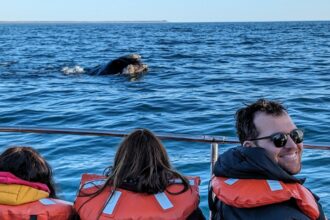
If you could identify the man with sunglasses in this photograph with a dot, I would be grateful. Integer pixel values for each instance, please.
(255, 180)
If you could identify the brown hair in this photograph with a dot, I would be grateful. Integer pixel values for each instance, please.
(142, 159)
(245, 127)
(27, 164)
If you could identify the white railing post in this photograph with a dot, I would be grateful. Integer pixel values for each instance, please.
(213, 159)
(214, 155)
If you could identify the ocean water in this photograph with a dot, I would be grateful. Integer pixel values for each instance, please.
(200, 74)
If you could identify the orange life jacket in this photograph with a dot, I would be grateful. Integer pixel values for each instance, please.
(124, 204)
(249, 193)
(44, 209)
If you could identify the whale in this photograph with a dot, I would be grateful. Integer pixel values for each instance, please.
(128, 65)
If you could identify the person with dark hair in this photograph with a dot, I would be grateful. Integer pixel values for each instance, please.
(27, 189)
(256, 180)
(141, 185)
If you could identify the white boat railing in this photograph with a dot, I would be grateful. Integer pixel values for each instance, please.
(162, 136)
(213, 140)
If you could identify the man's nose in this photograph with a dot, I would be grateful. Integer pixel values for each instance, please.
(290, 143)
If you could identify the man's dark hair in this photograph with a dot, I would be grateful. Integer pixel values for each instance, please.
(245, 127)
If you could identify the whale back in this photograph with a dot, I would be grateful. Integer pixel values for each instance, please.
(130, 64)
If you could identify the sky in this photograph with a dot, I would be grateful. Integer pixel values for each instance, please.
(169, 10)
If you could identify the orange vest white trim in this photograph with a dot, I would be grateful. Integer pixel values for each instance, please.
(43, 209)
(248, 193)
(124, 204)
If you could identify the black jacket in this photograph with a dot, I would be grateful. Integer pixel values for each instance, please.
(253, 163)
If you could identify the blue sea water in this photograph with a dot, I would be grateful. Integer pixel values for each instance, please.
(200, 73)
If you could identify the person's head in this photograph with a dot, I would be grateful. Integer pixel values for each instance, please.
(266, 124)
(27, 164)
(141, 157)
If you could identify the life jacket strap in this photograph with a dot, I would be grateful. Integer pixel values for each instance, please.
(33, 217)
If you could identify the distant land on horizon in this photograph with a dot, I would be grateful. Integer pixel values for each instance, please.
(149, 21)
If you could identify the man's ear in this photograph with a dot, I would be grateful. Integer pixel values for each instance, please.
(248, 144)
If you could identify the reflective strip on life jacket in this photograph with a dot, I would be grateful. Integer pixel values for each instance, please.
(124, 204)
(249, 193)
(47, 201)
(191, 181)
(274, 185)
(163, 200)
(91, 184)
(231, 181)
(112, 202)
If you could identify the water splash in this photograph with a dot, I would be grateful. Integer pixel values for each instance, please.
(73, 70)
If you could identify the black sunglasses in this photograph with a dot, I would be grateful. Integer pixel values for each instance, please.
(279, 139)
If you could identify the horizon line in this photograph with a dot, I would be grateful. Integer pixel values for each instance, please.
(159, 21)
